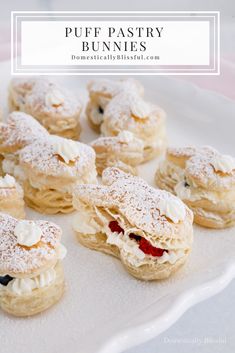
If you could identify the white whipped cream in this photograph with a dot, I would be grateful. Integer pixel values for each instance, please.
(62, 251)
(54, 98)
(26, 285)
(125, 244)
(182, 191)
(137, 257)
(84, 223)
(27, 233)
(140, 108)
(21, 285)
(223, 163)
(172, 208)
(171, 256)
(66, 149)
(8, 166)
(7, 181)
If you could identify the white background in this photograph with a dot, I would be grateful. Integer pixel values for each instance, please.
(181, 43)
(216, 316)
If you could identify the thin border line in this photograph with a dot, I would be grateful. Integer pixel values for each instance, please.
(159, 13)
(130, 69)
(20, 69)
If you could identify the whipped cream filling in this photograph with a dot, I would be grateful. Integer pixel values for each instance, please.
(85, 223)
(7, 182)
(22, 286)
(172, 208)
(192, 193)
(54, 98)
(67, 149)
(135, 256)
(27, 233)
(10, 166)
(185, 189)
(44, 183)
(223, 163)
(139, 108)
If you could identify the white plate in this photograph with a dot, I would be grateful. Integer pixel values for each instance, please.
(104, 309)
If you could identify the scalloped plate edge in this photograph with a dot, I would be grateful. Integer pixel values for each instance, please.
(142, 333)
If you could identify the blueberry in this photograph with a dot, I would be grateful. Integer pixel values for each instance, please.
(5, 280)
(101, 110)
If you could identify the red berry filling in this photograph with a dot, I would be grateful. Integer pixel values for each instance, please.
(144, 245)
(115, 227)
(148, 249)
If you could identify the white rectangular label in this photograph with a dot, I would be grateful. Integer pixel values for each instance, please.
(157, 43)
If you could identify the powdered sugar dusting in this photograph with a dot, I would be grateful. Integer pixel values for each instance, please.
(200, 169)
(11, 190)
(111, 88)
(133, 198)
(19, 131)
(119, 141)
(19, 260)
(128, 110)
(36, 99)
(42, 157)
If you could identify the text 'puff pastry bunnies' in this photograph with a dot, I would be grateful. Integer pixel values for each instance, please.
(56, 108)
(31, 275)
(100, 94)
(128, 111)
(149, 230)
(18, 131)
(11, 197)
(205, 180)
(124, 150)
(50, 170)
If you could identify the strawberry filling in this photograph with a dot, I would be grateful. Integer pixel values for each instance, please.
(144, 245)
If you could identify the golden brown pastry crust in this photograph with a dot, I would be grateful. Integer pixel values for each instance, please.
(147, 272)
(47, 201)
(37, 301)
(100, 94)
(128, 111)
(18, 131)
(135, 206)
(53, 106)
(49, 180)
(189, 173)
(124, 151)
(12, 201)
(37, 276)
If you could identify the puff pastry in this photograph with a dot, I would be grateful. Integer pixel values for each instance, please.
(18, 131)
(51, 168)
(11, 197)
(205, 180)
(31, 275)
(56, 108)
(128, 111)
(100, 94)
(149, 230)
(124, 150)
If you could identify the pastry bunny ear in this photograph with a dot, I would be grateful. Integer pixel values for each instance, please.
(111, 175)
(95, 195)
